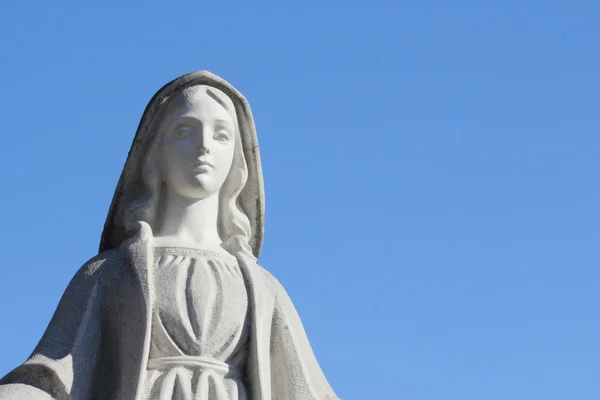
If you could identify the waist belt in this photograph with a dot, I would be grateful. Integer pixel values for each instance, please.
(196, 362)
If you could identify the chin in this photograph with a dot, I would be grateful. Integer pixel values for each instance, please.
(201, 187)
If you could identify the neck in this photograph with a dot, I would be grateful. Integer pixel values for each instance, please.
(189, 222)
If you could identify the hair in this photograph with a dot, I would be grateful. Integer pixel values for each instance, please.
(233, 224)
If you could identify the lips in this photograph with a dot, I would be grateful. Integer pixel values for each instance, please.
(203, 164)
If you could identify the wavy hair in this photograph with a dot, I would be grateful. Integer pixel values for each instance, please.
(233, 224)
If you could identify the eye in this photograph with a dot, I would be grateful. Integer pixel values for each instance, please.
(221, 134)
(182, 132)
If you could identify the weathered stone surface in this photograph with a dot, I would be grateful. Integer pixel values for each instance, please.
(175, 305)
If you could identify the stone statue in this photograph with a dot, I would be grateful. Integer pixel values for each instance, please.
(175, 306)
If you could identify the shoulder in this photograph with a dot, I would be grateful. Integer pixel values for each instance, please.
(273, 285)
(91, 277)
(106, 263)
(270, 280)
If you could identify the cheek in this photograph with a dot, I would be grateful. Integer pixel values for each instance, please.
(224, 159)
(176, 153)
(172, 162)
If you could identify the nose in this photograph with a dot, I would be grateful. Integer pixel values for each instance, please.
(202, 142)
(202, 150)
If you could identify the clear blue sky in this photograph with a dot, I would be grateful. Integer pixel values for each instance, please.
(431, 175)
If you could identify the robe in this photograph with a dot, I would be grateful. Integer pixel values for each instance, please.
(96, 346)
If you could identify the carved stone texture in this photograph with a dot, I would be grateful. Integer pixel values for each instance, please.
(175, 305)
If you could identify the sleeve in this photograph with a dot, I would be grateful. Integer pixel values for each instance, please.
(62, 364)
(295, 372)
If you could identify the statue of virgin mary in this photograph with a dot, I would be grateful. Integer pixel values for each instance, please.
(175, 306)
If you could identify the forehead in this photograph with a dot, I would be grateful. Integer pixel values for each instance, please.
(202, 101)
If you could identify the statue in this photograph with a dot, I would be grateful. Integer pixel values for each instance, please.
(175, 306)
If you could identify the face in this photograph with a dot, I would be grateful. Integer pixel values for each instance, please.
(198, 142)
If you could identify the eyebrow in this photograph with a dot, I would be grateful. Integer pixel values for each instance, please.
(217, 99)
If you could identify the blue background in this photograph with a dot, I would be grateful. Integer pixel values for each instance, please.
(431, 175)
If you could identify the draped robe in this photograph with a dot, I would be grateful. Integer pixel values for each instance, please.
(97, 343)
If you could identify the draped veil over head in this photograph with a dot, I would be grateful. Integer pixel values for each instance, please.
(132, 185)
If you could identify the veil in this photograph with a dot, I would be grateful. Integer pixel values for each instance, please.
(251, 199)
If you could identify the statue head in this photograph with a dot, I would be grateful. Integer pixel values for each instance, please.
(195, 140)
(196, 153)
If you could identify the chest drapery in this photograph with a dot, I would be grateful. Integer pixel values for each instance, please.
(199, 327)
(97, 343)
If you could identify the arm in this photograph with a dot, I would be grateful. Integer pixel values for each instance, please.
(62, 364)
(295, 372)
